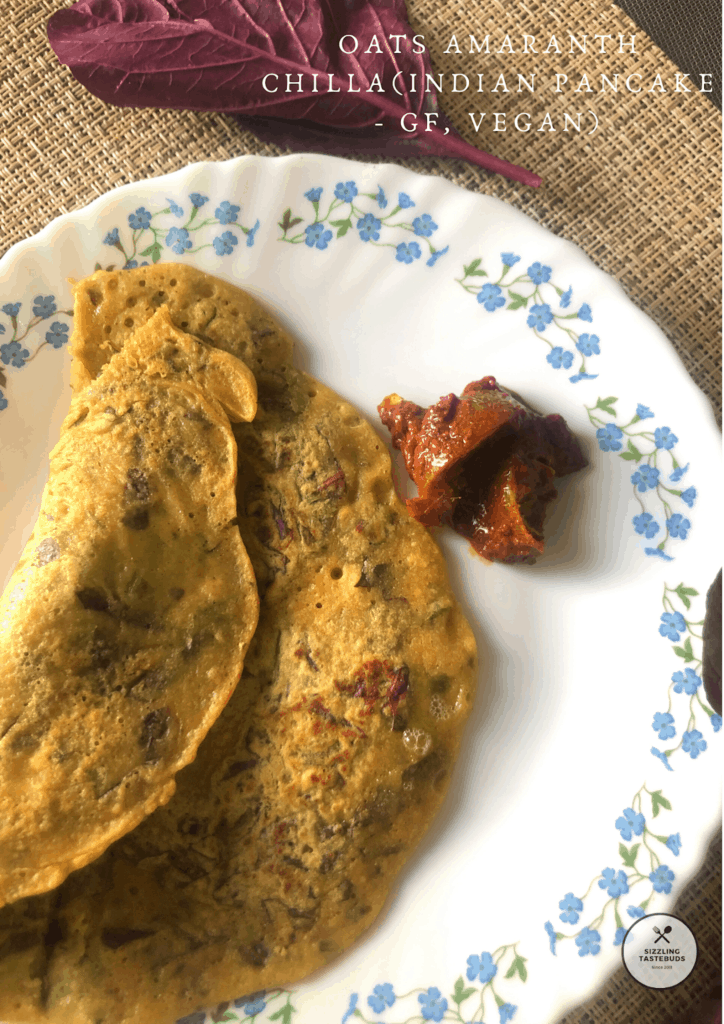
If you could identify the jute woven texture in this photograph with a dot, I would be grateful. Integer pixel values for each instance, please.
(641, 196)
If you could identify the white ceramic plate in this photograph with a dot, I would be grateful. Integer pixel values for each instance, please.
(571, 812)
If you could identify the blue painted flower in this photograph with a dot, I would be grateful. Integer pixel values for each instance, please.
(2, 328)
(565, 299)
(175, 209)
(672, 625)
(551, 936)
(111, 238)
(643, 412)
(646, 525)
(314, 194)
(618, 937)
(435, 256)
(615, 884)
(646, 478)
(382, 996)
(540, 316)
(140, 219)
(369, 227)
(3, 401)
(689, 496)
(491, 297)
(351, 1008)
(507, 1012)
(588, 345)
(433, 1004)
(559, 357)
(179, 240)
(224, 244)
(715, 722)
(407, 252)
(662, 877)
(226, 212)
(317, 236)
(662, 757)
(693, 743)
(582, 376)
(688, 681)
(404, 201)
(381, 197)
(198, 200)
(664, 437)
(674, 843)
(12, 308)
(658, 553)
(609, 438)
(424, 226)
(509, 259)
(584, 313)
(664, 724)
(679, 471)
(251, 234)
(678, 526)
(251, 1008)
(630, 823)
(57, 335)
(346, 191)
(13, 354)
(635, 912)
(538, 273)
(571, 907)
(588, 942)
(481, 967)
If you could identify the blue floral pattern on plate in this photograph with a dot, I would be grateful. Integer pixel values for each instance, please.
(346, 213)
(633, 823)
(513, 290)
(651, 452)
(14, 354)
(152, 232)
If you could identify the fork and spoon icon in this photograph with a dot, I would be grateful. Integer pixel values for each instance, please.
(662, 934)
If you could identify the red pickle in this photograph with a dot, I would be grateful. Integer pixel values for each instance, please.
(484, 464)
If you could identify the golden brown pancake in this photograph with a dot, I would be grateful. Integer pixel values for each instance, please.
(126, 621)
(283, 838)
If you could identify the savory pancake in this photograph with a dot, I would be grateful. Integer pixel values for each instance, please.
(284, 836)
(124, 626)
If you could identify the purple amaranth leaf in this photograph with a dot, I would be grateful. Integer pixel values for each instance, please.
(219, 54)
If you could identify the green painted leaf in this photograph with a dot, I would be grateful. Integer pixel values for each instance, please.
(633, 449)
(461, 993)
(629, 856)
(629, 457)
(686, 652)
(518, 967)
(154, 251)
(477, 273)
(658, 801)
(606, 403)
(97, 266)
(284, 1013)
(471, 267)
(518, 301)
(685, 593)
(343, 229)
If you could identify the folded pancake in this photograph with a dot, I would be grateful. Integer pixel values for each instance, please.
(284, 836)
(124, 626)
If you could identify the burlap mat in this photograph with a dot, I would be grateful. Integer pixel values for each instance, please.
(641, 197)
